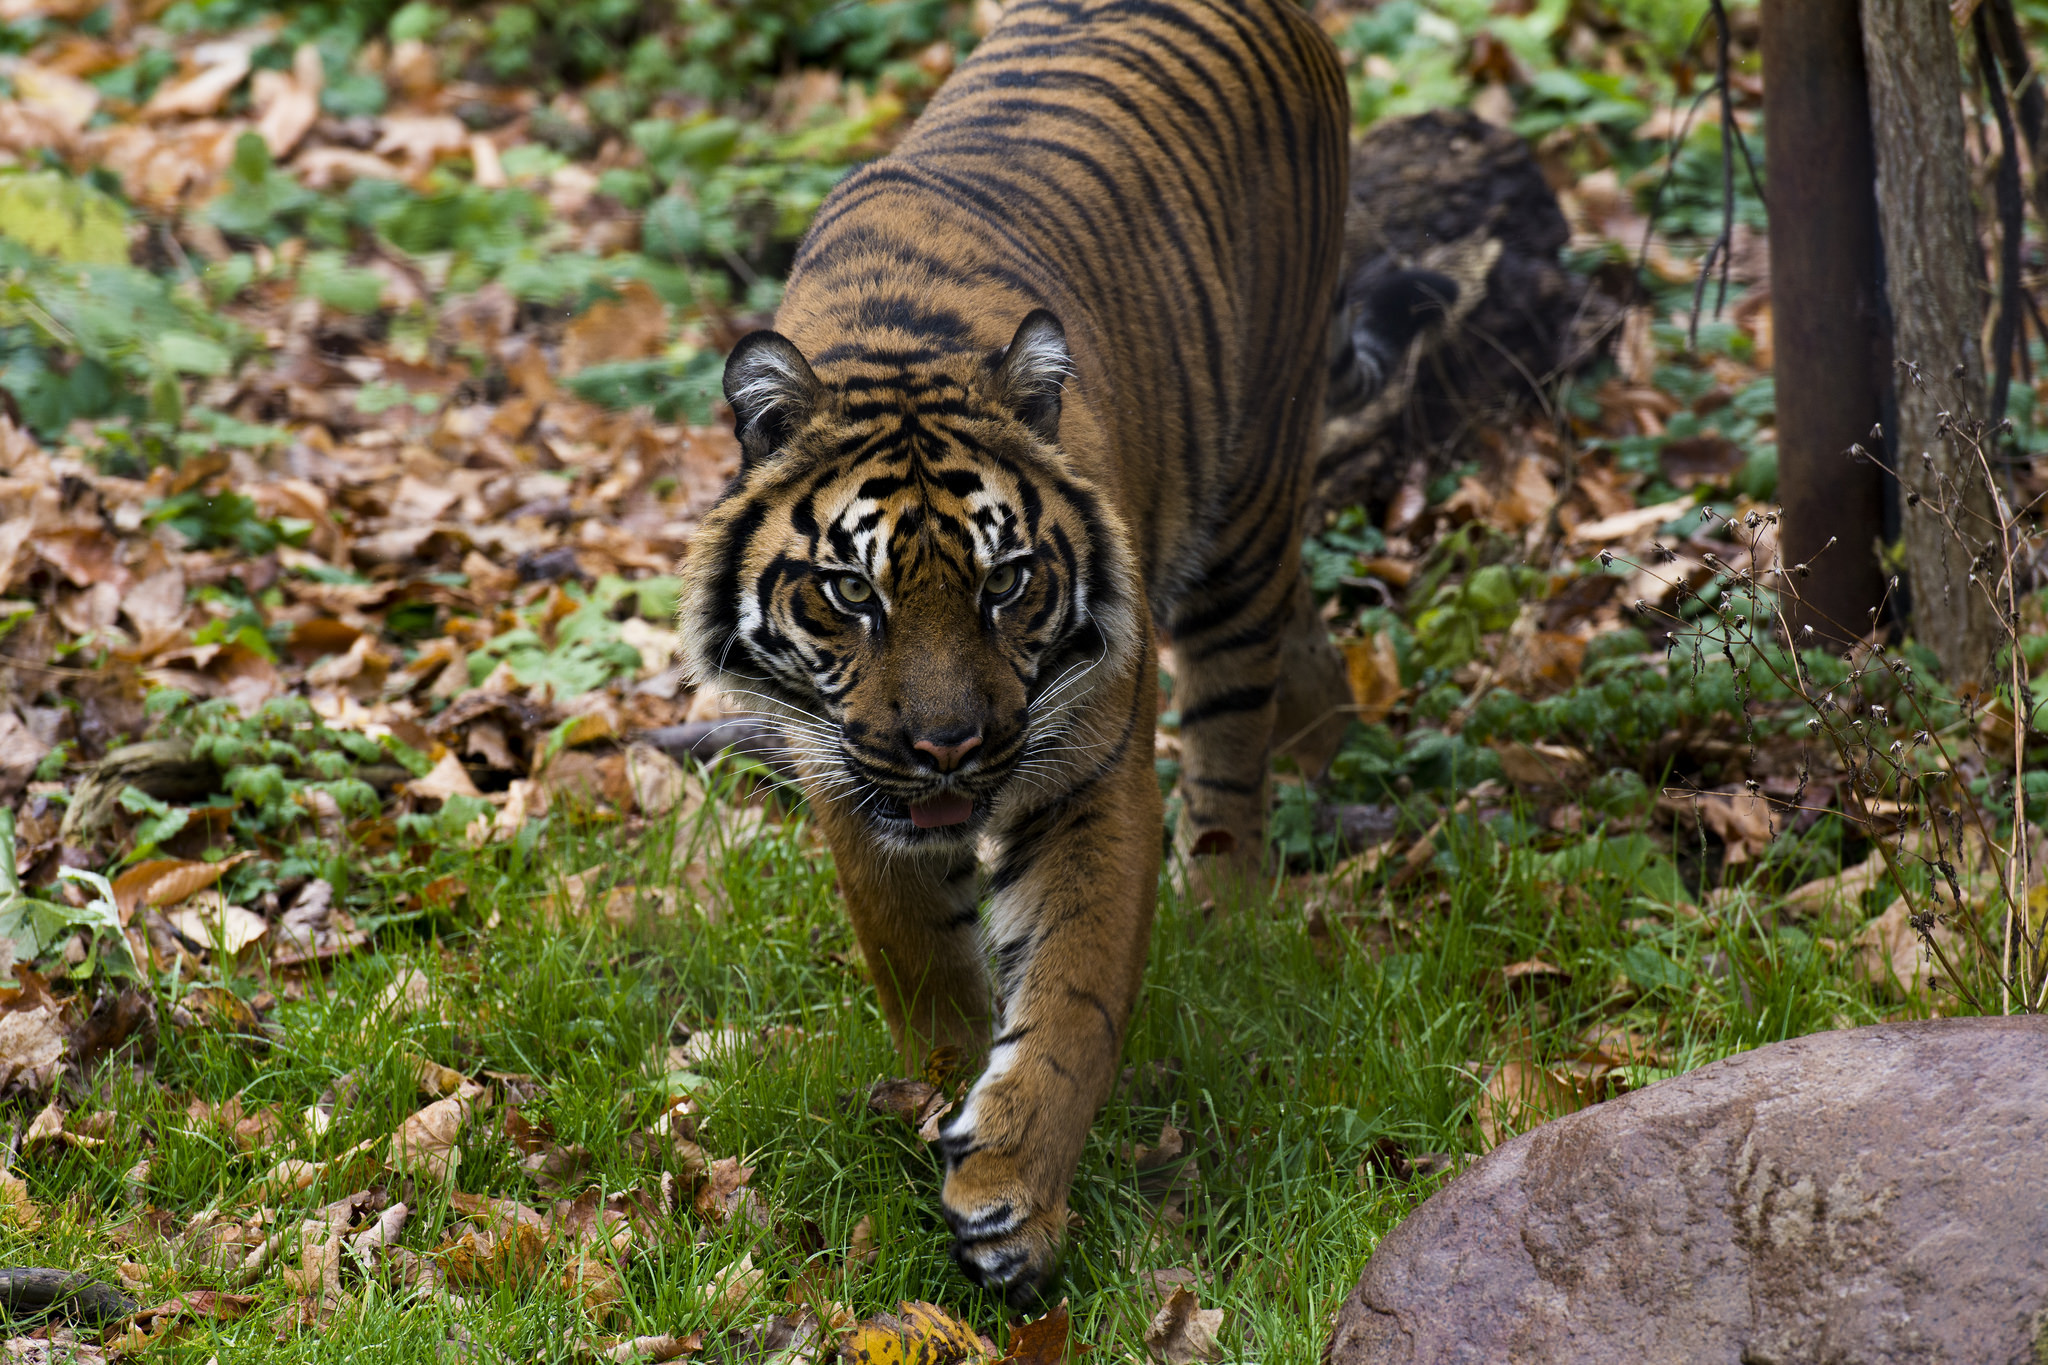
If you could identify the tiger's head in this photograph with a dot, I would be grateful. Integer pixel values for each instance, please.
(910, 579)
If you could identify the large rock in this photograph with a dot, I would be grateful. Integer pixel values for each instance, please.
(1871, 1195)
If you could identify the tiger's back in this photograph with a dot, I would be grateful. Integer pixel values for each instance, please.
(1167, 179)
(1046, 377)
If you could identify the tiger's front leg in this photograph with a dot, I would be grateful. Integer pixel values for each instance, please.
(920, 932)
(1070, 920)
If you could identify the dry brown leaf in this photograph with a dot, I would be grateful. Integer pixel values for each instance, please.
(660, 785)
(724, 1192)
(626, 328)
(18, 1212)
(1047, 1341)
(207, 918)
(728, 1292)
(33, 1039)
(1375, 675)
(651, 1349)
(596, 1284)
(1891, 954)
(1517, 1096)
(287, 104)
(1626, 526)
(426, 1144)
(1542, 767)
(223, 65)
(66, 100)
(447, 778)
(1842, 888)
(1182, 1331)
(422, 139)
(1741, 819)
(1526, 495)
(409, 992)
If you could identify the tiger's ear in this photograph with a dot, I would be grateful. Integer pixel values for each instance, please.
(1031, 371)
(771, 389)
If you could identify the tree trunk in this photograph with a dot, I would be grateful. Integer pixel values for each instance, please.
(1931, 277)
(1831, 357)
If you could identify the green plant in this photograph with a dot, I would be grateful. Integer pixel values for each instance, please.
(31, 926)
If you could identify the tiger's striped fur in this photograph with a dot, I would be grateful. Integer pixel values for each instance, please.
(1046, 379)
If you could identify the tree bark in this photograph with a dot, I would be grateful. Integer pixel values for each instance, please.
(1932, 279)
(1832, 360)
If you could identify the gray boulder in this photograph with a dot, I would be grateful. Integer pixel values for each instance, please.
(1869, 1195)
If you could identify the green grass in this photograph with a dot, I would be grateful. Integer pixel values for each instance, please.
(1285, 1054)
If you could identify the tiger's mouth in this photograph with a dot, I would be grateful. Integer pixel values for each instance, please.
(924, 813)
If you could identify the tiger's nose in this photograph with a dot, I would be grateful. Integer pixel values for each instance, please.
(948, 751)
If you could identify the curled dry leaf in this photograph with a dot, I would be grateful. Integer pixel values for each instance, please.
(724, 1194)
(596, 1284)
(1183, 1331)
(649, 1350)
(425, 1145)
(33, 1040)
(913, 1101)
(1374, 674)
(167, 881)
(728, 1293)
(1890, 953)
(447, 778)
(208, 919)
(1047, 1341)
(510, 1243)
(18, 1212)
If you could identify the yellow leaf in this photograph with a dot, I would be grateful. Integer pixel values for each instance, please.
(1375, 675)
(917, 1334)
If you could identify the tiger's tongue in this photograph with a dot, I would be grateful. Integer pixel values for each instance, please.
(951, 809)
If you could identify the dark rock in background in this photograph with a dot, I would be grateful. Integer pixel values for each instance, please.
(1456, 309)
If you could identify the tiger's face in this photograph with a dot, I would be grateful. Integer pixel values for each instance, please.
(908, 579)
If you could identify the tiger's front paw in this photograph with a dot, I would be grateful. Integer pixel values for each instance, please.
(1004, 1236)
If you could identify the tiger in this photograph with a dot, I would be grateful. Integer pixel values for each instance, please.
(1040, 397)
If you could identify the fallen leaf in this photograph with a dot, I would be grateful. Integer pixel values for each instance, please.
(1842, 888)
(1182, 1331)
(1628, 525)
(633, 325)
(1891, 954)
(1518, 1095)
(1047, 1341)
(598, 1286)
(447, 778)
(659, 783)
(287, 104)
(223, 67)
(1375, 675)
(166, 881)
(207, 918)
(729, 1291)
(32, 1035)
(651, 1349)
(918, 1333)
(64, 98)
(1541, 767)
(425, 1144)
(1742, 820)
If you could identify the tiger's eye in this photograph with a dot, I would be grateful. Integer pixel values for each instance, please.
(1000, 581)
(854, 589)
